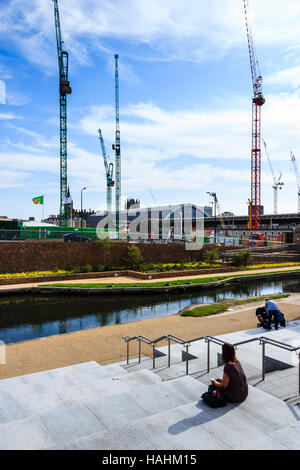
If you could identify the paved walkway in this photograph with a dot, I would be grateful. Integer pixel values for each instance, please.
(105, 344)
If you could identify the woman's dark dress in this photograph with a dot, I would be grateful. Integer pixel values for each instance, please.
(237, 389)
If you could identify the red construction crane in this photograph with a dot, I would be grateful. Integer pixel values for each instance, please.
(257, 102)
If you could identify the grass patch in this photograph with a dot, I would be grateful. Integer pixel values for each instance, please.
(97, 285)
(181, 282)
(212, 309)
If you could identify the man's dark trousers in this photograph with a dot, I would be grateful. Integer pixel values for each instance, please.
(272, 314)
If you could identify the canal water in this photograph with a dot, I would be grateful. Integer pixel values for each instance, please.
(29, 317)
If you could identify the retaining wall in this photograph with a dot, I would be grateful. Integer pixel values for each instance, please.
(49, 255)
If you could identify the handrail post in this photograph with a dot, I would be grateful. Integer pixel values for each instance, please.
(127, 348)
(153, 348)
(187, 359)
(263, 371)
(298, 371)
(208, 354)
(139, 350)
(169, 352)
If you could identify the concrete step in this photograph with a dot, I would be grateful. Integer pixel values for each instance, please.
(195, 426)
(25, 400)
(62, 377)
(151, 414)
(108, 387)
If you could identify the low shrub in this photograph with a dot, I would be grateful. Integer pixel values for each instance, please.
(165, 267)
(211, 256)
(241, 258)
(134, 259)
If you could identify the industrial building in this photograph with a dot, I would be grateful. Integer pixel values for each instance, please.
(177, 221)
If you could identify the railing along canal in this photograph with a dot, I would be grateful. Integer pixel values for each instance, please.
(210, 339)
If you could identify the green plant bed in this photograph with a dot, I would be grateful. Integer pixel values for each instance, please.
(181, 282)
(219, 307)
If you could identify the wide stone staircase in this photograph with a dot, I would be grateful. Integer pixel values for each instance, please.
(135, 407)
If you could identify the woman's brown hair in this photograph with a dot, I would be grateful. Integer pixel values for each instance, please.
(228, 353)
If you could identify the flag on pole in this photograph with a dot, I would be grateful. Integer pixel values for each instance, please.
(38, 200)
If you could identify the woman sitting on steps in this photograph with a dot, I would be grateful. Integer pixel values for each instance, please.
(234, 380)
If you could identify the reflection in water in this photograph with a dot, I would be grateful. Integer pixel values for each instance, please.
(24, 318)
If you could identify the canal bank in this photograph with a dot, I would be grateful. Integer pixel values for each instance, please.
(105, 344)
(117, 285)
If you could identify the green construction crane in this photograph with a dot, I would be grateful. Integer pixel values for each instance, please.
(109, 169)
(117, 148)
(64, 90)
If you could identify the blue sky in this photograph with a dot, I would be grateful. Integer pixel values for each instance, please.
(185, 100)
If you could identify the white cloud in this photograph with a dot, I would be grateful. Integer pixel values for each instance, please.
(289, 77)
(9, 116)
(12, 179)
(190, 30)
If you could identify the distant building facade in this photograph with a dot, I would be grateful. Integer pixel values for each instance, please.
(178, 221)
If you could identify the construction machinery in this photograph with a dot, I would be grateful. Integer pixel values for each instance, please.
(109, 169)
(64, 90)
(217, 208)
(277, 183)
(295, 167)
(117, 148)
(257, 102)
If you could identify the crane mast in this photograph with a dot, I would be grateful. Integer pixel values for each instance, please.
(295, 166)
(217, 207)
(277, 183)
(64, 90)
(257, 102)
(109, 168)
(117, 148)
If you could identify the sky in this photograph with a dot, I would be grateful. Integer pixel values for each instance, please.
(185, 101)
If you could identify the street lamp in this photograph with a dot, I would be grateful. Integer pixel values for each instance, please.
(214, 196)
(81, 210)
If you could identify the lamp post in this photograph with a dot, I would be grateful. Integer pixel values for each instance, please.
(214, 196)
(81, 210)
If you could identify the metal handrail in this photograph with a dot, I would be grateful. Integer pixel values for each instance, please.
(211, 339)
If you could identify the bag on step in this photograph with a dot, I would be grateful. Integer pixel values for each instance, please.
(215, 397)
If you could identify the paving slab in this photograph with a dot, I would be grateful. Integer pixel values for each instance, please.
(265, 443)
(116, 410)
(124, 438)
(288, 437)
(69, 422)
(25, 434)
(187, 388)
(156, 398)
(172, 430)
(11, 410)
(41, 403)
